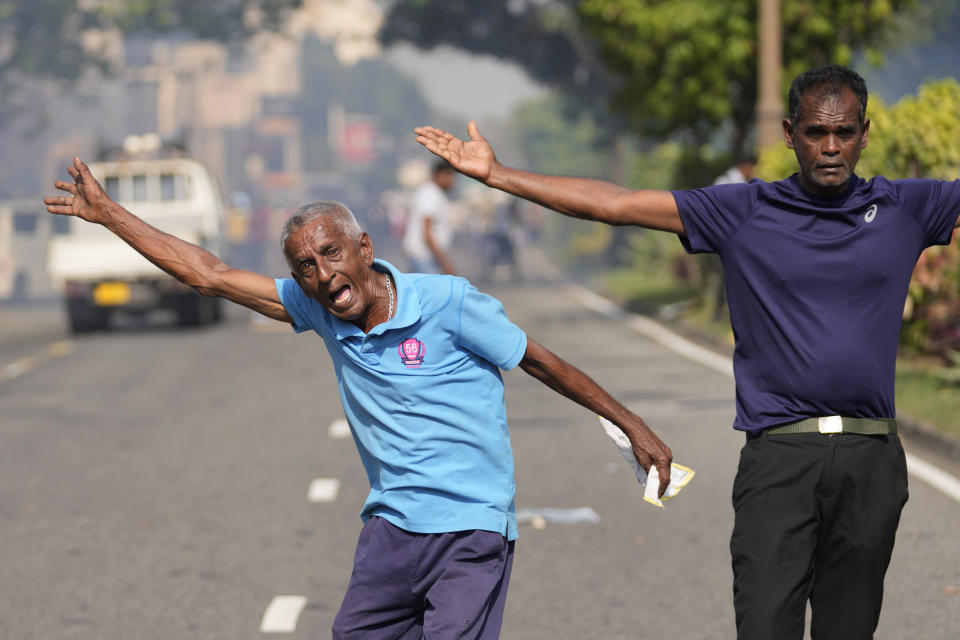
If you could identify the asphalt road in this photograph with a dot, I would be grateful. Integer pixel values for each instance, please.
(154, 484)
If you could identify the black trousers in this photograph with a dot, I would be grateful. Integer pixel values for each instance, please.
(815, 519)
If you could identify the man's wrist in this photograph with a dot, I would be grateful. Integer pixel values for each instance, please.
(111, 214)
(496, 178)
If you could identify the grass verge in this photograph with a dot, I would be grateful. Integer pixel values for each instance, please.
(924, 393)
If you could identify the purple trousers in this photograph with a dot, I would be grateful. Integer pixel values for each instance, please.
(435, 586)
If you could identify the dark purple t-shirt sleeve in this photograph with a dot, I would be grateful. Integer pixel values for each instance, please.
(934, 204)
(713, 215)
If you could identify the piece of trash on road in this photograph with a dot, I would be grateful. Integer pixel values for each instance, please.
(539, 518)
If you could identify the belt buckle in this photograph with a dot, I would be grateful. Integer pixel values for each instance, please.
(830, 424)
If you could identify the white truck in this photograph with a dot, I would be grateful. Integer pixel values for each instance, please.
(100, 274)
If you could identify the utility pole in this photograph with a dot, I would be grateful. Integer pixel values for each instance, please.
(770, 50)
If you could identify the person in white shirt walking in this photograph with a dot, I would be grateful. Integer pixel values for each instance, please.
(742, 171)
(428, 235)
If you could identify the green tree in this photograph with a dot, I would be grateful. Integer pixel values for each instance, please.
(689, 66)
(917, 137)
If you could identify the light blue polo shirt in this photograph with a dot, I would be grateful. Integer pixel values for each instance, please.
(424, 398)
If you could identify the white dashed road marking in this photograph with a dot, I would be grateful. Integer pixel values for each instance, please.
(282, 614)
(19, 367)
(934, 476)
(339, 429)
(323, 490)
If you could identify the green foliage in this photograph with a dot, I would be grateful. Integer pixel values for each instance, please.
(38, 37)
(689, 66)
(928, 392)
(776, 163)
(680, 61)
(557, 143)
(918, 136)
(224, 20)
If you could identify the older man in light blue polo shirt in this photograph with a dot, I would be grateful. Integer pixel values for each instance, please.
(417, 360)
(427, 377)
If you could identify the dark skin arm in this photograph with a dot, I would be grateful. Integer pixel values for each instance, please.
(188, 263)
(576, 197)
(569, 381)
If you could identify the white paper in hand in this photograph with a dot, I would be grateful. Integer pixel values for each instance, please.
(679, 474)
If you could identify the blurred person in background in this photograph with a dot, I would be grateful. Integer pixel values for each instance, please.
(816, 269)
(742, 171)
(428, 233)
(503, 239)
(418, 361)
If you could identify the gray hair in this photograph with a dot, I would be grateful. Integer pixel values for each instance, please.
(338, 212)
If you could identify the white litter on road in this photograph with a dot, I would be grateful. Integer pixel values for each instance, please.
(323, 490)
(339, 429)
(282, 614)
(549, 515)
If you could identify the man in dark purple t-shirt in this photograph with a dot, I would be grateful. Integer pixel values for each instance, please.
(816, 269)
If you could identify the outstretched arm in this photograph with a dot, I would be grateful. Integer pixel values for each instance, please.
(577, 197)
(569, 381)
(188, 263)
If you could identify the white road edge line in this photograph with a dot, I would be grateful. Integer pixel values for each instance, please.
(323, 490)
(19, 367)
(936, 477)
(282, 614)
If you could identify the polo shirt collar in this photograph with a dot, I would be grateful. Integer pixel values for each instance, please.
(407, 310)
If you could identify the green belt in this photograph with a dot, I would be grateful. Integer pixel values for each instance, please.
(838, 424)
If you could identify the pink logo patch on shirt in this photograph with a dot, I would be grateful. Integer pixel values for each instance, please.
(411, 352)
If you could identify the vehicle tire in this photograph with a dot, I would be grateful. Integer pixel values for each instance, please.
(84, 318)
(217, 310)
(194, 311)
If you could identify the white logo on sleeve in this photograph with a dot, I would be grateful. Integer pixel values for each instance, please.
(870, 214)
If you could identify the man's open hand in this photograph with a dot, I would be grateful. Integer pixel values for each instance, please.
(473, 157)
(87, 199)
